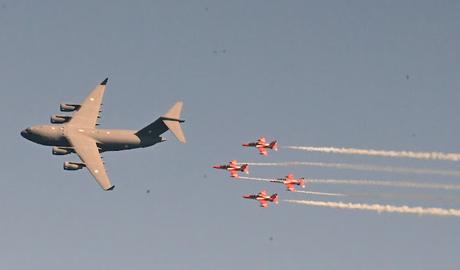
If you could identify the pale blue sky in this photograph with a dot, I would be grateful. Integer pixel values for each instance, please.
(304, 72)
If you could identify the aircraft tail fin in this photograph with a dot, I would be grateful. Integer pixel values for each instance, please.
(245, 168)
(274, 145)
(171, 120)
(302, 182)
(274, 198)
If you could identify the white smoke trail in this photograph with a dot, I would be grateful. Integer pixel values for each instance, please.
(404, 184)
(382, 208)
(319, 193)
(256, 179)
(359, 167)
(364, 182)
(381, 153)
(397, 196)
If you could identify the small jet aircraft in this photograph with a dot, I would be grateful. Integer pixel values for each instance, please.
(262, 145)
(78, 134)
(263, 198)
(289, 181)
(233, 167)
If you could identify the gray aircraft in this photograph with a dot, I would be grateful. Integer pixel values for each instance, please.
(78, 134)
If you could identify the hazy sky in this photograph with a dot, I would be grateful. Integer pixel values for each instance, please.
(322, 73)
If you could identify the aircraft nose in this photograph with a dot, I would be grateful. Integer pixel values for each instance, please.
(25, 132)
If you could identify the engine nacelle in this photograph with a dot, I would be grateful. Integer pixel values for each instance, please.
(73, 166)
(60, 119)
(62, 150)
(69, 107)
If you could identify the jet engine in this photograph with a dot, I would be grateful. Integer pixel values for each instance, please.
(60, 119)
(69, 107)
(62, 150)
(72, 166)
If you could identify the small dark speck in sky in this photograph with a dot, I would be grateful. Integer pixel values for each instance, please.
(407, 77)
(147, 191)
(205, 176)
(270, 238)
(220, 51)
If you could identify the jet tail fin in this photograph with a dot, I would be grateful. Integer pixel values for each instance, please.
(171, 120)
(274, 145)
(175, 111)
(302, 182)
(245, 168)
(274, 198)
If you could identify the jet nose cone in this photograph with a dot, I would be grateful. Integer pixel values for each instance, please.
(25, 133)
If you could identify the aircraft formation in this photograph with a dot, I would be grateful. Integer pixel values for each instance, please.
(289, 181)
(79, 133)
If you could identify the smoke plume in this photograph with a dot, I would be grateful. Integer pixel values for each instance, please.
(380, 153)
(382, 208)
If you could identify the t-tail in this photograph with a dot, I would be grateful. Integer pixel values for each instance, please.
(171, 120)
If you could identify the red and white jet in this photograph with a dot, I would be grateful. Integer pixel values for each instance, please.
(289, 181)
(233, 167)
(263, 198)
(262, 145)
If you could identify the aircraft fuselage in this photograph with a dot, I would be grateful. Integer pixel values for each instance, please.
(106, 139)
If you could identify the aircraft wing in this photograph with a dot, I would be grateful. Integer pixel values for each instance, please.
(234, 173)
(88, 152)
(263, 204)
(88, 113)
(263, 151)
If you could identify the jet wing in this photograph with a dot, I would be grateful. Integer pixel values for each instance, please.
(263, 151)
(88, 152)
(263, 204)
(88, 113)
